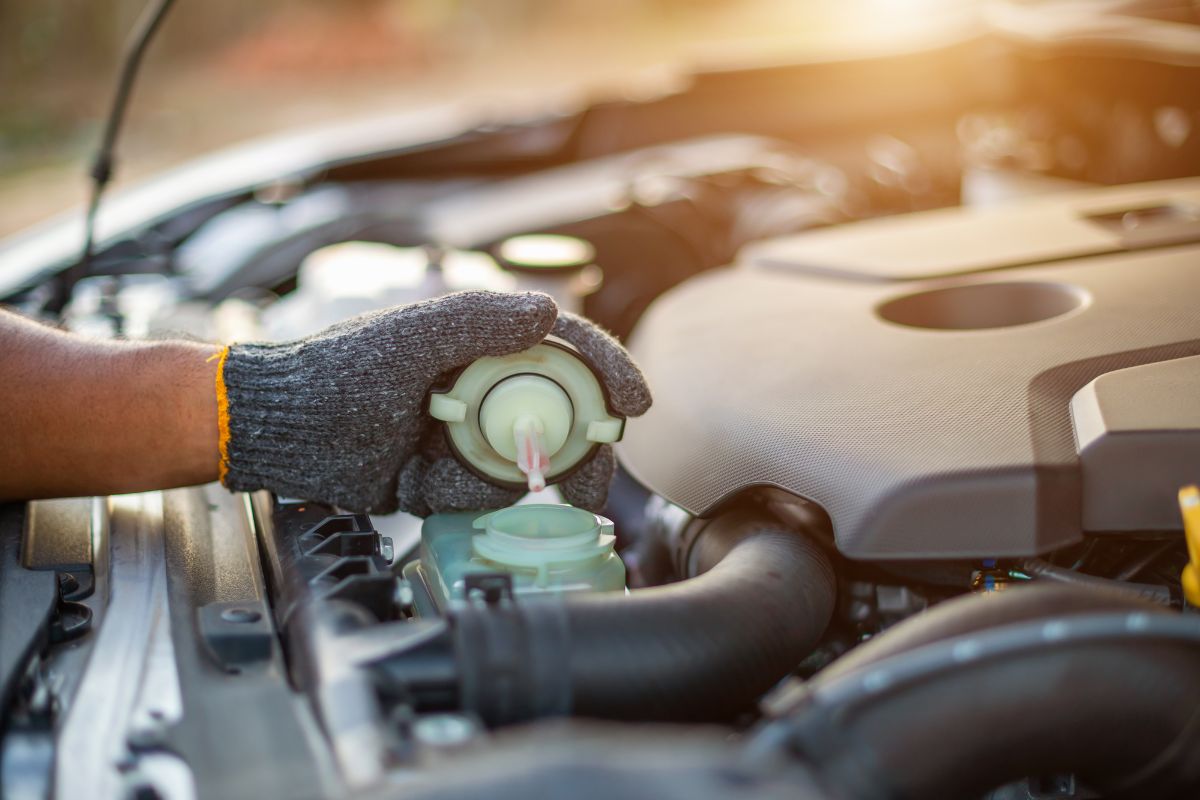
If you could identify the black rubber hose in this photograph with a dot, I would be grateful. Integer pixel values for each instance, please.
(709, 646)
(702, 649)
(1107, 711)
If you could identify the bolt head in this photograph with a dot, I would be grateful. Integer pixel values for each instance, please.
(241, 615)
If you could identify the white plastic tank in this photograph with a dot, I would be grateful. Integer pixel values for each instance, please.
(343, 280)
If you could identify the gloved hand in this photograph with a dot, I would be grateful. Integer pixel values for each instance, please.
(339, 417)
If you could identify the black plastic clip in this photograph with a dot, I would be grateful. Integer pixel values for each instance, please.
(492, 588)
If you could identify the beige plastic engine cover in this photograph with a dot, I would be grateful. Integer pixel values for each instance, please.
(930, 417)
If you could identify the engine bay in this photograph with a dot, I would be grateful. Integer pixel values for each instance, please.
(907, 518)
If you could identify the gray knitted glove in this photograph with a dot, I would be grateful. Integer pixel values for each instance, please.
(339, 416)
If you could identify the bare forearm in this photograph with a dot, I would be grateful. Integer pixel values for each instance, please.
(80, 416)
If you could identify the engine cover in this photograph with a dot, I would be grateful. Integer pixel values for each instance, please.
(914, 376)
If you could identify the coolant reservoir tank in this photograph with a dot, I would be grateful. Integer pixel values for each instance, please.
(528, 419)
(545, 549)
(558, 545)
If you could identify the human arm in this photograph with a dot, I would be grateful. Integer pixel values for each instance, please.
(337, 417)
(88, 416)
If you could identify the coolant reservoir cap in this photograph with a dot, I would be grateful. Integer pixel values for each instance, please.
(543, 252)
(542, 536)
(526, 418)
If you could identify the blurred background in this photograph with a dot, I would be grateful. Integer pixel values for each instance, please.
(222, 71)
